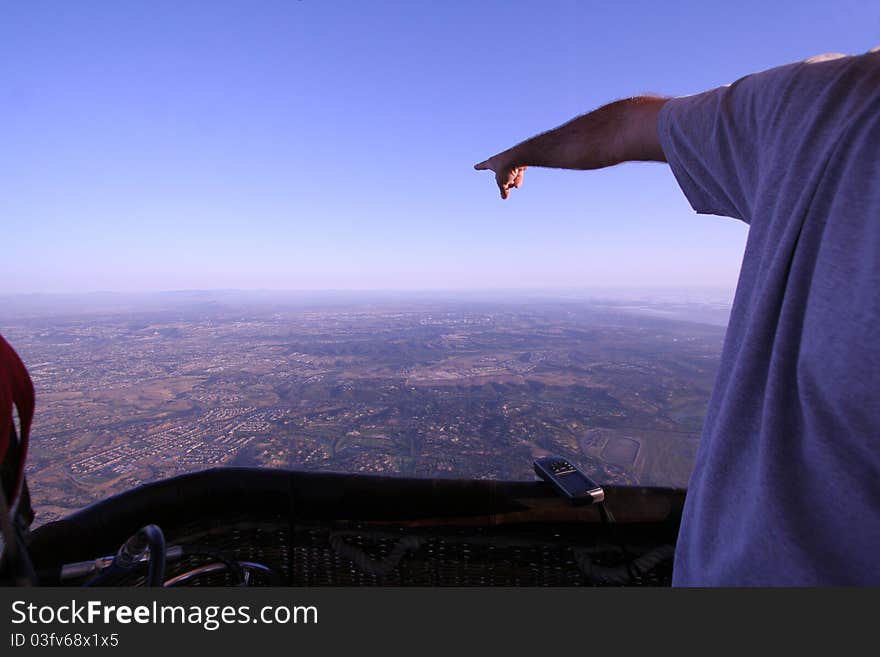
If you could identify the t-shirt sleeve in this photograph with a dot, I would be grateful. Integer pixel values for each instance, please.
(714, 141)
(710, 141)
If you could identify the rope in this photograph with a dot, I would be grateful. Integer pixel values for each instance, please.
(369, 565)
(625, 573)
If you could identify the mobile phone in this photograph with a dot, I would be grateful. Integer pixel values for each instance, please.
(568, 480)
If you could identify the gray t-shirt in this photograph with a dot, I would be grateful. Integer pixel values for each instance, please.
(786, 485)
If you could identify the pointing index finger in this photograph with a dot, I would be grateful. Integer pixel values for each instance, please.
(482, 166)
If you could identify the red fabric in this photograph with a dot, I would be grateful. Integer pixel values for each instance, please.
(15, 388)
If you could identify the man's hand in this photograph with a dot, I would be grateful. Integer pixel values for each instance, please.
(623, 131)
(506, 176)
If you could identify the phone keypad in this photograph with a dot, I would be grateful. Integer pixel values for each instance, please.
(561, 467)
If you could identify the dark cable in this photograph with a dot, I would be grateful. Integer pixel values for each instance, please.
(631, 568)
(231, 564)
(605, 513)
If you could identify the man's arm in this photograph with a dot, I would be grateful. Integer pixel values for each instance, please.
(622, 131)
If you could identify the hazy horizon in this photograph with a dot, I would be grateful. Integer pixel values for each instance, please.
(701, 305)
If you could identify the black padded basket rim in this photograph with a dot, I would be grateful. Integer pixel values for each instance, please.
(468, 529)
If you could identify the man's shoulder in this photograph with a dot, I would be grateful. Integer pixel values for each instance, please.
(804, 80)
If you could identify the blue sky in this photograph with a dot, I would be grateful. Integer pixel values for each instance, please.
(314, 144)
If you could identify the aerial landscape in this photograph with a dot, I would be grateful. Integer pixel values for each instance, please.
(431, 388)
